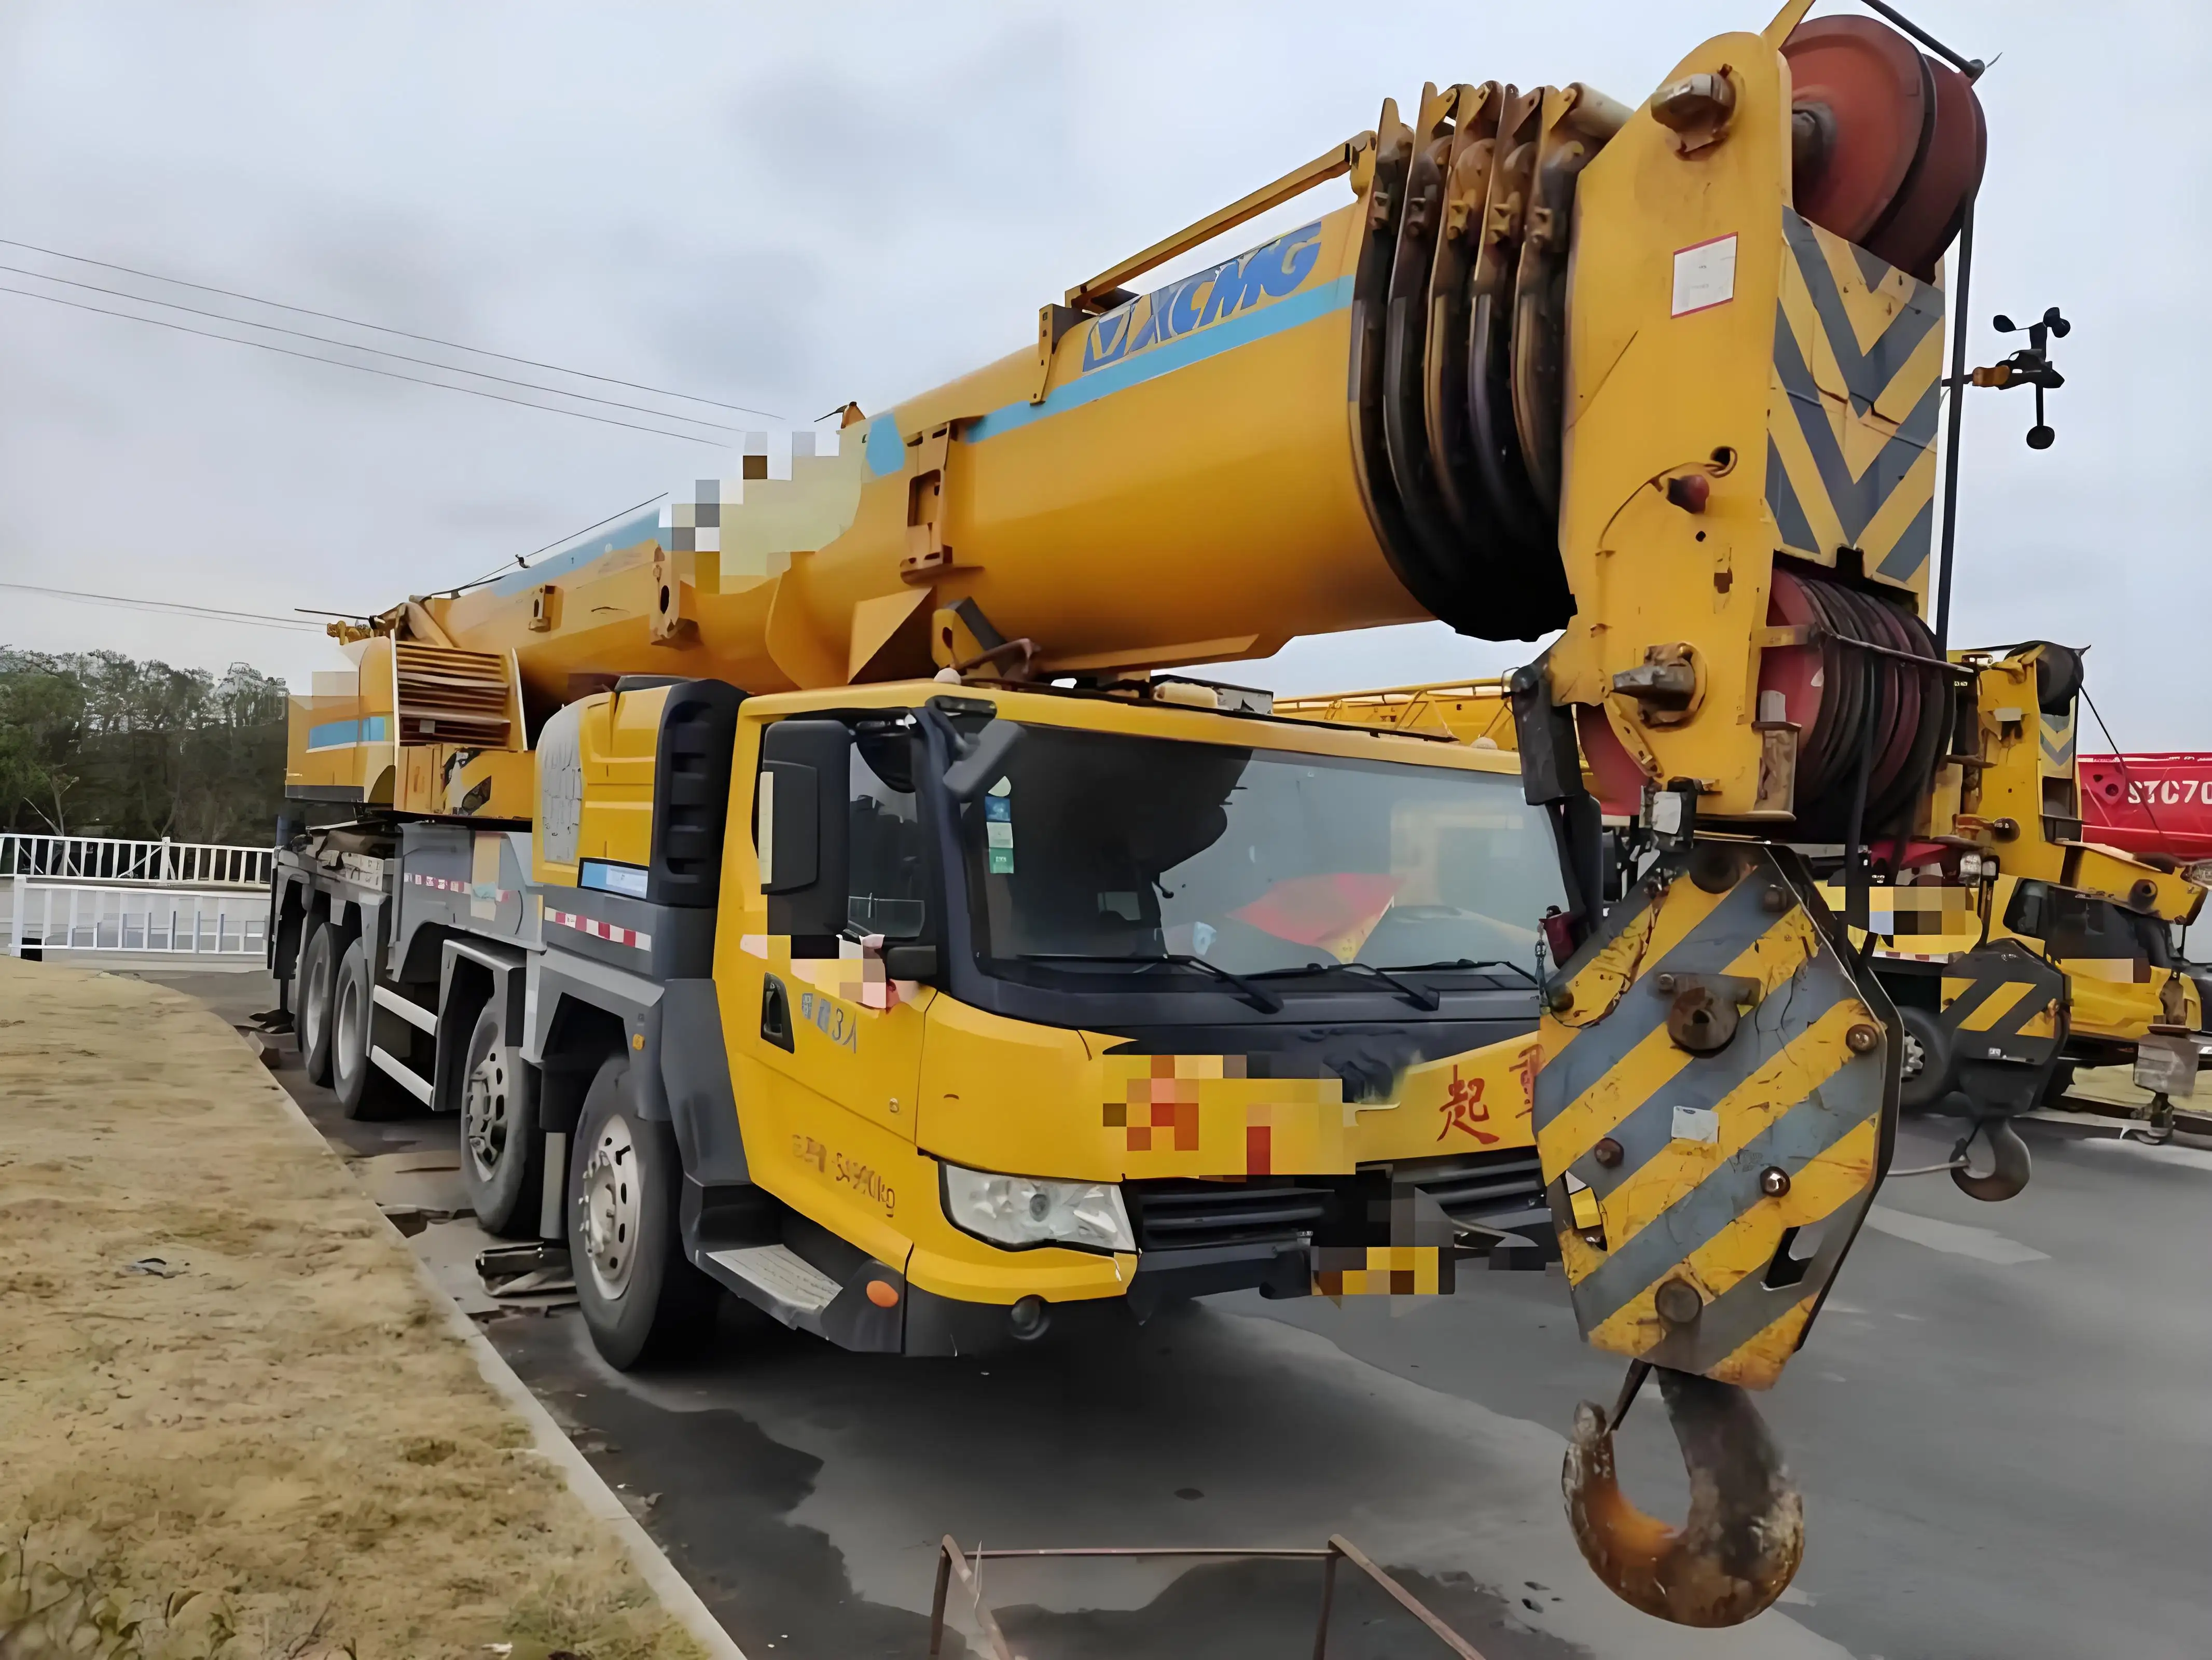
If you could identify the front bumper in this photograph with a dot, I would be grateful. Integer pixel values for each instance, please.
(1396, 1229)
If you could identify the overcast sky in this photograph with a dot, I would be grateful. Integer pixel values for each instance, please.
(789, 207)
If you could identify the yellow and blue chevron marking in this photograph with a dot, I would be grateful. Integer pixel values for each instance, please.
(1858, 355)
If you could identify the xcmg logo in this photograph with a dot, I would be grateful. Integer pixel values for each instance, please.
(1236, 285)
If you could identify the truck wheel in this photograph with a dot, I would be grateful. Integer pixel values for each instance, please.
(641, 1299)
(312, 1012)
(1926, 1070)
(362, 1090)
(502, 1154)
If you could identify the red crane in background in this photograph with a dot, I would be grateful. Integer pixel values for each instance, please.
(2153, 806)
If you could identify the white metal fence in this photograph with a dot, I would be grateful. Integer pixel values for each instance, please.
(108, 860)
(200, 922)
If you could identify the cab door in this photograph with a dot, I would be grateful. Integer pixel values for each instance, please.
(825, 1048)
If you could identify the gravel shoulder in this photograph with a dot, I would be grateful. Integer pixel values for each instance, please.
(233, 1420)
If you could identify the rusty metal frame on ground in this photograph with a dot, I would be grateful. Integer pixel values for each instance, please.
(951, 1559)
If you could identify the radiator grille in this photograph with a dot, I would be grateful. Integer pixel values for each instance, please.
(1172, 1215)
(1481, 1184)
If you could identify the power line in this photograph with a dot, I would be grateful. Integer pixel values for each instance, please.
(257, 618)
(354, 322)
(374, 351)
(2126, 771)
(522, 561)
(363, 369)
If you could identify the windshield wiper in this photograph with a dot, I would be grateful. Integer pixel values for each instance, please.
(1259, 997)
(1467, 963)
(1419, 997)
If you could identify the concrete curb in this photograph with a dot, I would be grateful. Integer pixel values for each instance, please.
(603, 1504)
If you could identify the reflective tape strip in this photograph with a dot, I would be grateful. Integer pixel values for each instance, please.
(474, 889)
(598, 930)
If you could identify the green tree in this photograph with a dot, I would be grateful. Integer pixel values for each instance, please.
(97, 743)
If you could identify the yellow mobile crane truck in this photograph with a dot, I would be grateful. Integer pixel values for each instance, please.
(2101, 916)
(825, 892)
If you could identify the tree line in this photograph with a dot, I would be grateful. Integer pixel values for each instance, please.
(99, 743)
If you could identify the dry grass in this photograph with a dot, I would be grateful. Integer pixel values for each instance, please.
(276, 1447)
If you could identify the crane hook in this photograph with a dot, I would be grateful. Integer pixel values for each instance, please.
(1745, 1531)
(2010, 1163)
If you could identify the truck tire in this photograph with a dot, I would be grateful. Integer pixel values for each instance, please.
(362, 1090)
(641, 1299)
(312, 1011)
(1929, 1060)
(502, 1154)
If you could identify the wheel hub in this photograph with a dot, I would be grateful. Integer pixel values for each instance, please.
(314, 1010)
(347, 1021)
(1915, 1057)
(608, 1204)
(484, 1114)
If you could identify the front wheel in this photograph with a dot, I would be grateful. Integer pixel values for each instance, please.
(641, 1299)
(502, 1154)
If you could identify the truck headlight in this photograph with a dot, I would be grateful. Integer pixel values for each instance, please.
(1027, 1210)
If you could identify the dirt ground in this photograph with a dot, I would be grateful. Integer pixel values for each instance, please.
(232, 1421)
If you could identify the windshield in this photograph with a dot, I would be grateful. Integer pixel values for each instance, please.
(1098, 845)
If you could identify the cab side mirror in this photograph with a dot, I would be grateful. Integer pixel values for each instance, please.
(801, 826)
(983, 760)
(910, 962)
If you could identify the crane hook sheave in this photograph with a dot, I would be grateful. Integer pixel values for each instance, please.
(1888, 144)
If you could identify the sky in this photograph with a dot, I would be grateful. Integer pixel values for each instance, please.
(790, 207)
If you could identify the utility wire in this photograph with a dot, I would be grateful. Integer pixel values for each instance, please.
(354, 322)
(374, 351)
(2126, 771)
(257, 618)
(365, 369)
(522, 560)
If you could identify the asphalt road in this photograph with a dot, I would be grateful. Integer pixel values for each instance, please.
(2002, 1425)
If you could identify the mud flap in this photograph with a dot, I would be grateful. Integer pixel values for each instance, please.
(1723, 1079)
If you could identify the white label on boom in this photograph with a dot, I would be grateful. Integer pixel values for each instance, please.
(1697, 1124)
(1704, 275)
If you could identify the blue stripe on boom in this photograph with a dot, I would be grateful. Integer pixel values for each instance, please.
(642, 527)
(1299, 308)
(344, 734)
